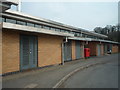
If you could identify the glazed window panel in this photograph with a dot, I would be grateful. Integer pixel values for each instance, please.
(21, 22)
(30, 24)
(57, 29)
(10, 20)
(38, 26)
(52, 28)
(46, 27)
(3, 19)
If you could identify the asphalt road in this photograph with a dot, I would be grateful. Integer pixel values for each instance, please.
(99, 76)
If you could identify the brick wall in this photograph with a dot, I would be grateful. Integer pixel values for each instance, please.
(73, 50)
(49, 50)
(10, 51)
(93, 48)
(114, 48)
(102, 49)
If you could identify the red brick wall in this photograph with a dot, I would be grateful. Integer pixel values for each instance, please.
(114, 48)
(93, 48)
(102, 49)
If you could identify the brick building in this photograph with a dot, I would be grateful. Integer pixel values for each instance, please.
(29, 42)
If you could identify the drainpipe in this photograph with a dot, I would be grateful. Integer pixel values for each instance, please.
(66, 40)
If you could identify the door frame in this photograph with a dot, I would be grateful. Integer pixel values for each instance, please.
(20, 55)
(64, 49)
(76, 48)
(99, 49)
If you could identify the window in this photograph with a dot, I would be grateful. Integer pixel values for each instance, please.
(77, 34)
(57, 29)
(14, 7)
(38, 26)
(52, 28)
(83, 35)
(66, 31)
(70, 32)
(46, 27)
(21, 22)
(10, 20)
(3, 19)
(62, 30)
(30, 24)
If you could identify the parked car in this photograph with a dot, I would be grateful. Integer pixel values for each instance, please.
(109, 51)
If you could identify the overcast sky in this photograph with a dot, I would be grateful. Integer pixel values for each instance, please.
(86, 15)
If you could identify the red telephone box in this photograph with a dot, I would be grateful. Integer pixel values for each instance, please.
(87, 52)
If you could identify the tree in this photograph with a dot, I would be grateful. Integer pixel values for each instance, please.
(113, 32)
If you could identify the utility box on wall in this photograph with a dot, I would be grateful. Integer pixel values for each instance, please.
(87, 52)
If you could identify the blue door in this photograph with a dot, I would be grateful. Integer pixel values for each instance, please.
(77, 50)
(99, 49)
(68, 51)
(105, 48)
(28, 51)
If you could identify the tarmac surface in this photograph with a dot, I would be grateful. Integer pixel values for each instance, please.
(49, 76)
(98, 76)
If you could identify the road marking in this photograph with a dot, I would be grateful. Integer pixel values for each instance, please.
(31, 85)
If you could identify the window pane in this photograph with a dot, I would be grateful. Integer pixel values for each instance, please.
(46, 27)
(52, 28)
(14, 7)
(30, 24)
(62, 30)
(57, 29)
(38, 26)
(10, 20)
(21, 22)
(3, 19)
